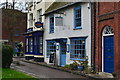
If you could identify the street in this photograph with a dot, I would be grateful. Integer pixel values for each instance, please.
(43, 72)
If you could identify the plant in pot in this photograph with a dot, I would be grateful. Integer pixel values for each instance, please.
(80, 66)
(83, 64)
(73, 66)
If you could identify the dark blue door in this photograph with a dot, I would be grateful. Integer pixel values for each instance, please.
(63, 49)
(108, 54)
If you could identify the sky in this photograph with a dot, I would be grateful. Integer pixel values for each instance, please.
(1, 1)
(17, 5)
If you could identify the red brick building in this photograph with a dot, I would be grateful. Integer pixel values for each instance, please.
(14, 24)
(106, 37)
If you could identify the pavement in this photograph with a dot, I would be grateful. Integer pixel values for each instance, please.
(41, 71)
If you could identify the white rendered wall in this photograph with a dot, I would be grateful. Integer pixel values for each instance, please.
(42, 5)
(67, 30)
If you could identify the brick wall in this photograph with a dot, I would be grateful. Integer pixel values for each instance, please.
(14, 25)
(107, 13)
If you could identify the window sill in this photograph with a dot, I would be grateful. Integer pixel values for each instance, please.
(77, 28)
(51, 32)
(77, 59)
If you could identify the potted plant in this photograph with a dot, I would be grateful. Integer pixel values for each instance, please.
(83, 64)
(80, 67)
(73, 66)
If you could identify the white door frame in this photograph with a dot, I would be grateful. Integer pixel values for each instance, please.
(103, 35)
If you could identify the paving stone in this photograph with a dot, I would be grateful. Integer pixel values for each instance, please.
(105, 75)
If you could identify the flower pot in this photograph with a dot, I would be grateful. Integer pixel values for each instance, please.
(73, 67)
(80, 68)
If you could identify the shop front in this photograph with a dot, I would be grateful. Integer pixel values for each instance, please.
(34, 46)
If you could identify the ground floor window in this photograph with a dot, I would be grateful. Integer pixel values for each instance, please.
(34, 44)
(31, 44)
(51, 47)
(27, 45)
(77, 48)
(40, 45)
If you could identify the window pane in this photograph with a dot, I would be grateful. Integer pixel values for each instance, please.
(77, 48)
(77, 16)
(40, 44)
(51, 47)
(39, 12)
(51, 24)
(30, 45)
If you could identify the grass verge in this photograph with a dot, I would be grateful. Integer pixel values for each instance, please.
(10, 74)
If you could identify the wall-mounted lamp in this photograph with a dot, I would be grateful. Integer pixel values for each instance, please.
(88, 5)
(57, 47)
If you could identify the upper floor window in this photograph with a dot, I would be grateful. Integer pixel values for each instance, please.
(77, 17)
(52, 24)
(39, 13)
(31, 20)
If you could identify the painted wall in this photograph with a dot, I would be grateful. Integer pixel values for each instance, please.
(42, 5)
(67, 30)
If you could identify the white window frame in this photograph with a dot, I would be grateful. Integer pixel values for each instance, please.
(39, 13)
(31, 20)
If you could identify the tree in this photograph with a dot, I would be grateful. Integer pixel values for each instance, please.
(14, 5)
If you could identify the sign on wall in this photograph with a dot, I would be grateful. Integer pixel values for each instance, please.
(58, 21)
(38, 24)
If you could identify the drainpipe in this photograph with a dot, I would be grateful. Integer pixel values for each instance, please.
(94, 35)
(93, 26)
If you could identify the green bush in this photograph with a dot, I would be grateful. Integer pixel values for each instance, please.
(74, 65)
(7, 54)
(67, 66)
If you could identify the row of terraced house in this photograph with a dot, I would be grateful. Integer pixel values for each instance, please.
(74, 31)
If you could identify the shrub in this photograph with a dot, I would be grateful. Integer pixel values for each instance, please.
(67, 66)
(74, 65)
(7, 54)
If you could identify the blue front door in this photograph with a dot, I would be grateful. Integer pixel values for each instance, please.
(63, 49)
(108, 54)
